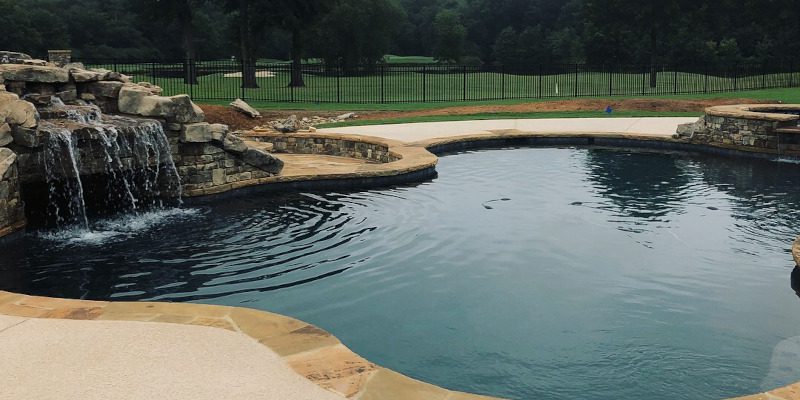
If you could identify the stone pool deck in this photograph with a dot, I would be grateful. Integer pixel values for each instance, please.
(60, 348)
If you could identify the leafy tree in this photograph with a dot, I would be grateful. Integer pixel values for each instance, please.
(250, 17)
(358, 31)
(295, 17)
(181, 11)
(449, 36)
(506, 47)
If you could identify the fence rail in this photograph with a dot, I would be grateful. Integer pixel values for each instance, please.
(394, 83)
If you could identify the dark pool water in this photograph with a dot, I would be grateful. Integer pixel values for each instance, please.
(524, 273)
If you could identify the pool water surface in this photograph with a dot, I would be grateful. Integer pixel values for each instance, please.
(525, 273)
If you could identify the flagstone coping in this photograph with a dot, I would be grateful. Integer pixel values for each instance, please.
(764, 112)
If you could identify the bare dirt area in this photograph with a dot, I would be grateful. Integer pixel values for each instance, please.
(237, 121)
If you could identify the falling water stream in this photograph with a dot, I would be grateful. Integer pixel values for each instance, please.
(137, 160)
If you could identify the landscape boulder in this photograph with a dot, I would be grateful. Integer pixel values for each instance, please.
(688, 130)
(244, 108)
(196, 133)
(33, 73)
(234, 144)
(139, 100)
(262, 160)
(109, 89)
(289, 125)
(218, 132)
(27, 137)
(5, 134)
(80, 75)
(13, 57)
(7, 159)
(19, 113)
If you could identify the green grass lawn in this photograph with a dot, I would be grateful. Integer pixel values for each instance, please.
(411, 84)
(790, 95)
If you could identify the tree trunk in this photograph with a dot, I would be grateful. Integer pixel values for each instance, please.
(297, 60)
(189, 66)
(245, 41)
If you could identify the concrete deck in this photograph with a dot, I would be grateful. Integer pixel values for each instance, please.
(65, 359)
(426, 131)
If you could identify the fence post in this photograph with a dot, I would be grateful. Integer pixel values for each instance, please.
(291, 87)
(791, 73)
(339, 84)
(541, 72)
(190, 65)
(464, 88)
(735, 78)
(424, 83)
(763, 76)
(502, 82)
(675, 80)
(610, 81)
(705, 78)
(153, 72)
(644, 80)
(382, 87)
(576, 80)
(241, 86)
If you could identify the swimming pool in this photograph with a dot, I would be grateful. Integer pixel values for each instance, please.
(520, 273)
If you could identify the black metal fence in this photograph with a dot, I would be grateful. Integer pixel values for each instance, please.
(394, 83)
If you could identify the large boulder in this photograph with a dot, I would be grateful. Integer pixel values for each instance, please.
(234, 144)
(80, 75)
(5, 135)
(196, 133)
(16, 112)
(21, 113)
(13, 57)
(108, 89)
(244, 108)
(262, 160)
(27, 137)
(218, 132)
(139, 100)
(7, 159)
(33, 73)
(289, 125)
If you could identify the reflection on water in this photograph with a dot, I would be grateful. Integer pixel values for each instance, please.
(796, 280)
(560, 272)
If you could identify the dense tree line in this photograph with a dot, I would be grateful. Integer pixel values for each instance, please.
(357, 32)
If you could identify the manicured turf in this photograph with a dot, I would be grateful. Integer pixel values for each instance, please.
(431, 84)
(779, 95)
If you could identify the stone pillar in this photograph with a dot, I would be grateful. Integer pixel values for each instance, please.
(59, 57)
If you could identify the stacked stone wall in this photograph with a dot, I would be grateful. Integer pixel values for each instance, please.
(296, 144)
(12, 211)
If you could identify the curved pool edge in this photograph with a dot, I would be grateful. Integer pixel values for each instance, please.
(310, 351)
(313, 352)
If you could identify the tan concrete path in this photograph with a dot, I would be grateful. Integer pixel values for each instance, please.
(66, 359)
(423, 131)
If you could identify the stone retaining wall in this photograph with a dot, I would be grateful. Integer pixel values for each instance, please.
(750, 127)
(328, 145)
(12, 212)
